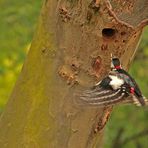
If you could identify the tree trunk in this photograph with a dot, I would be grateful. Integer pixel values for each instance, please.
(71, 50)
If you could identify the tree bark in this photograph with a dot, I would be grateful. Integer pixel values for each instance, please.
(71, 50)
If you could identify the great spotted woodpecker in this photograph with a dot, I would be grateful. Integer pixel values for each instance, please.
(118, 86)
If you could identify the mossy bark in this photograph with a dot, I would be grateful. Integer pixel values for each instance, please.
(70, 51)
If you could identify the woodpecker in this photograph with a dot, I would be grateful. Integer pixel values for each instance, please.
(117, 87)
(131, 85)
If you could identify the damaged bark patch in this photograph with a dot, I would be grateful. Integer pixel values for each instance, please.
(96, 65)
(75, 65)
(99, 124)
(43, 50)
(89, 16)
(65, 16)
(69, 76)
(103, 119)
(94, 5)
(123, 6)
(104, 47)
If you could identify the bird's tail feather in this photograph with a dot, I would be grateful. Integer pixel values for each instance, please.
(138, 102)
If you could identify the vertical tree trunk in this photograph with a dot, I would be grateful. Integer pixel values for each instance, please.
(71, 50)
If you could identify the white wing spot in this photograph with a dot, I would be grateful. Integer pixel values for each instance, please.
(116, 82)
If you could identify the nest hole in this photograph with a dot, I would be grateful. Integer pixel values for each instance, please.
(108, 32)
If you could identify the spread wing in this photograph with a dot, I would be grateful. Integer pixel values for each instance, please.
(99, 96)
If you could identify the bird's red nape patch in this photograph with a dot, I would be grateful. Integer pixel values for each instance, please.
(132, 90)
(117, 67)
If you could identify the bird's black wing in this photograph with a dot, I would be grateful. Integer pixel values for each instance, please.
(132, 83)
(100, 96)
(129, 80)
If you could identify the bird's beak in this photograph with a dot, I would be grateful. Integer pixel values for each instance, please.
(112, 66)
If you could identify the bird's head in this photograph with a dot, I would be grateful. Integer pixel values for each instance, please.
(115, 63)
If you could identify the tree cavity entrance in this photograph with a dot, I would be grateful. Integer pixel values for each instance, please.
(108, 32)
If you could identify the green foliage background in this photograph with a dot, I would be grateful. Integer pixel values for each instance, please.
(17, 24)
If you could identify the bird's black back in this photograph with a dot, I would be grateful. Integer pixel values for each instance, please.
(130, 81)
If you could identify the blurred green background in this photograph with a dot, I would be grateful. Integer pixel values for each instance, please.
(17, 24)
